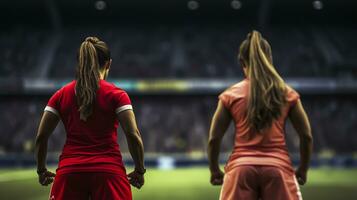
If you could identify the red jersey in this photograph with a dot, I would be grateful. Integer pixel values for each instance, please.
(250, 147)
(90, 145)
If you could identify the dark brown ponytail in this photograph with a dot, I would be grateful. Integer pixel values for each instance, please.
(93, 54)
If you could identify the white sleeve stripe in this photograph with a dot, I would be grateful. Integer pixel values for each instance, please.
(52, 110)
(122, 108)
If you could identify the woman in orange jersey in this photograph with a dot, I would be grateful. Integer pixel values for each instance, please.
(259, 166)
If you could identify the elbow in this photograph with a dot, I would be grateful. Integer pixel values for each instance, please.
(212, 141)
(307, 137)
(307, 141)
(40, 138)
(133, 134)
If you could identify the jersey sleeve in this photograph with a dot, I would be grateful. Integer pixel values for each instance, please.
(225, 99)
(233, 94)
(53, 104)
(292, 96)
(121, 101)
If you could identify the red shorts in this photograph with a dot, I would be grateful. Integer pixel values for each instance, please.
(249, 182)
(93, 185)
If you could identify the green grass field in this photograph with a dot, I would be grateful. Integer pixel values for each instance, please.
(185, 184)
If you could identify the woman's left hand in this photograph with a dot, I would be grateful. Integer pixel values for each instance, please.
(45, 178)
(136, 179)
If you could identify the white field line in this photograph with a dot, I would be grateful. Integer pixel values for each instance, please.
(17, 175)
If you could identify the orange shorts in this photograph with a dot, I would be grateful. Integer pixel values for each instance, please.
(253, 182)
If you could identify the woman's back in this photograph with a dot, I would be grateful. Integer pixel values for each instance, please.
(266, 147)
(90, 144)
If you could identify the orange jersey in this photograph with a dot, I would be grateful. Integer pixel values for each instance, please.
(250, 147)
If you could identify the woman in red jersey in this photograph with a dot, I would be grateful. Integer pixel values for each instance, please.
(91, 166)
(259, 166)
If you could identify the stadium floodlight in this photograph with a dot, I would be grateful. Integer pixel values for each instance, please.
(318, 5)
(236, 5)
(100, 5)
(193, 5)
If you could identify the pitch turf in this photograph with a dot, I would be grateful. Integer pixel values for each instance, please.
(185, 184)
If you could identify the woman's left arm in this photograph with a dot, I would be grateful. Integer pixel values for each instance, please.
(48, 123)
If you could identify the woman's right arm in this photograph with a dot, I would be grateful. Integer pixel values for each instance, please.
(220, 122)
(136, 147)
(301, 123)
(48, 123)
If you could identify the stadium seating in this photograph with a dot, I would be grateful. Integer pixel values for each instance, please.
(145, 52)
(183, 51)
(180, 124)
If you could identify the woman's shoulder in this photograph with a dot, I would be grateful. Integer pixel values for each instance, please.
(240, 87)
(68, 86)
(291, 94)
(290, 90)
(236, 91)
(110, 87)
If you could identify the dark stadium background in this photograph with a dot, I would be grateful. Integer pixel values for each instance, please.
(174, 58)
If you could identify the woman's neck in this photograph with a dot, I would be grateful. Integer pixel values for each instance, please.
(103, 75)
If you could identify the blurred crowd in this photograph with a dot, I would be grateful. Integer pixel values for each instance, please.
(20, 51)
(179, 124)
(180, 51)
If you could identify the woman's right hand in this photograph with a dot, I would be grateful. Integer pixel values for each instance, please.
(217, 177)
(136, 179)
(301, 175)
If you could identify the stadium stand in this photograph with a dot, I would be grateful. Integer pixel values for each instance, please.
(20, 51)
(208, 52)
(182, 52)
(180, 124)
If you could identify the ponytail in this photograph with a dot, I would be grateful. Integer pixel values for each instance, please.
(267, 88)
(92, 55)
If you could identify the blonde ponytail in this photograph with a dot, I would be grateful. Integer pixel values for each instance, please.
(267, 88)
